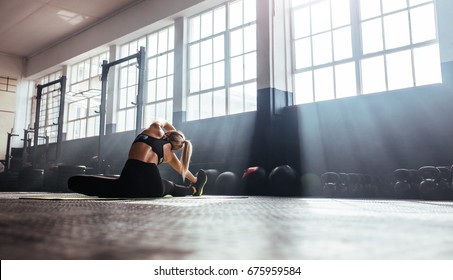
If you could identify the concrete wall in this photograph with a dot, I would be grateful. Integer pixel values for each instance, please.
(10, 66)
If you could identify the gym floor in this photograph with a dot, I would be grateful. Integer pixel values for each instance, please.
(217, 227)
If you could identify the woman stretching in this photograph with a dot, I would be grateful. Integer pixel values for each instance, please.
(140, 176)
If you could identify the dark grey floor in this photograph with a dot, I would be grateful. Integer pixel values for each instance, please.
(223, 228)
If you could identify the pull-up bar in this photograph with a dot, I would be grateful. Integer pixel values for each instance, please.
(141, 61)
(62, 82)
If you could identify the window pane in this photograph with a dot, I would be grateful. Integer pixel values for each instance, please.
(194, 27)
(427, 65)
(161, 88)
(393, 5)
(161, 110)
(206, 105)
(250, 97)
(342, 43)
(170, 63)
(303, 87)
(322, 48)
(324, 89)
(132, 75)
(320, 17)
(219, 103)
(250, 66)
(206, 24)
(249, 11)
(373, 75)
(235, 13)
(219, 48)
(295, 3)
(151, 92)
(194, 55)
(423, 24)
(237, 69)
(236, 42)
(219, 74)
(301, 20)
(399, 70)
(416, 2)
(171, 38)
(170, 86)
(219, 20)
(370, 8)
(206, 50)
(340, 13)
(195, 80)
(396, 30)
(236, 99)
(152, 68)
(194, 107)
(345, 80)
(161, 66)
(206, 74)
(372, 36)
(303, 53)
(163, 40)
(250, 41)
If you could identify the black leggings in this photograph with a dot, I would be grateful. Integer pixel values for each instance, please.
(137, 179)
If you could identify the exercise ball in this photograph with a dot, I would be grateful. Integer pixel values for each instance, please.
(226, 183)
(212, 175)
(282, 180)
(254, 181)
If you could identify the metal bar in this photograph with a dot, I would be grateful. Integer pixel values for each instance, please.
(62, 81)
(119, 61)
(50, 83)
(141, 59)
(36, 125)
(105, 71)
(8, 150)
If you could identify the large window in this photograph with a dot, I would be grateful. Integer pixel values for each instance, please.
(350, 47)
(159, 101)
(128, 80)
(159, 94)
(222, 61)
(84, 98)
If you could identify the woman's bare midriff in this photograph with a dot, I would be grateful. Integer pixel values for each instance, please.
(143, 152)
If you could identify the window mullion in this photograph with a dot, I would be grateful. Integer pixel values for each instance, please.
(356, 42)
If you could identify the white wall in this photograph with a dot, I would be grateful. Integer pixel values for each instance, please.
(10, 66)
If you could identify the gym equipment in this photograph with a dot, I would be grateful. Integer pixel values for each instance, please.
(402, 187)
(342, 187)
(31, 179)
(8, 150)
(444, 182)
(141, 61)
(330, 182)
(282, 180)
(355, 186)
(226, 183)
(254, 181)
(429, 187)
(39, 95)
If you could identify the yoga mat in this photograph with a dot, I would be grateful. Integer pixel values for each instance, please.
(126, 198)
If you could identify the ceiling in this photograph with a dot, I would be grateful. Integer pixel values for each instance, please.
(28, 27)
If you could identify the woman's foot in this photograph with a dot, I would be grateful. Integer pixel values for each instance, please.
(202, 178)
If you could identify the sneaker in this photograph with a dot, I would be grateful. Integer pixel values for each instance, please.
(202, 178)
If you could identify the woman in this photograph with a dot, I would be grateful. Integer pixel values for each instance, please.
(140, 176)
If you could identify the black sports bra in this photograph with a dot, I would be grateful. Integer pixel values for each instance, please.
(157, 144)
